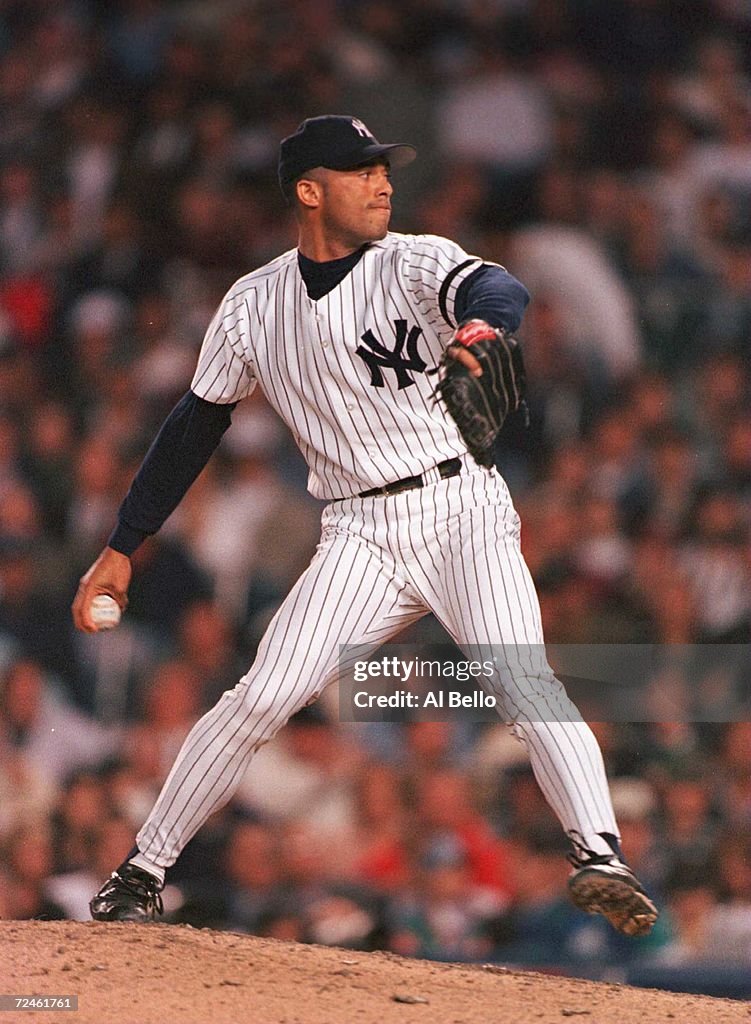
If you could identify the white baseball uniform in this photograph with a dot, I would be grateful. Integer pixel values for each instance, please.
(347, 375)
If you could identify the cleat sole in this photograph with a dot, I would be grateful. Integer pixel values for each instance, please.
(625, 907)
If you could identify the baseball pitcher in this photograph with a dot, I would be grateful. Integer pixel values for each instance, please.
(341, 333)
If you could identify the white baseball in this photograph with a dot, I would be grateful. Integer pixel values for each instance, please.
(105, 611)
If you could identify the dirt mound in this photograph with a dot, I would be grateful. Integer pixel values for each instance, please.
(167, 974)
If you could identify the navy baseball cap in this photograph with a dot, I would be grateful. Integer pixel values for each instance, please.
(336, 142)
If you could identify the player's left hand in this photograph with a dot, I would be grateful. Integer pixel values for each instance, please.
(110, 574)
(464, 356)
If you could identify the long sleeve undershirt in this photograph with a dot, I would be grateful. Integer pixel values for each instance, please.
(194, 428)
(490, 293)
(187, 440)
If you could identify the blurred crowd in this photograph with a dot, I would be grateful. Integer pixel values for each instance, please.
(602, 152)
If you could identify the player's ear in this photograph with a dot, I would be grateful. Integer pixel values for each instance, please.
(309, 192)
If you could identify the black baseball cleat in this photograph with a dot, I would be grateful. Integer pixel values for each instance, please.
(129, 894)
(605, 885)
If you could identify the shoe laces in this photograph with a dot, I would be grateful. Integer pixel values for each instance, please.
(142, 888)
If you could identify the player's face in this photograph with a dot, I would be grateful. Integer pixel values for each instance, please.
(356, 204)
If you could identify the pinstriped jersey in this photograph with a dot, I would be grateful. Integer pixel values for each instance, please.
(347, 372)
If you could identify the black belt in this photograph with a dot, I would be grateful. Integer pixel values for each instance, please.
(451, 467)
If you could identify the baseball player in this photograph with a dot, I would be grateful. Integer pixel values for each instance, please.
(341, 333)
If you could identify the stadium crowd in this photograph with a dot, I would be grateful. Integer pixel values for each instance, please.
(600, 151)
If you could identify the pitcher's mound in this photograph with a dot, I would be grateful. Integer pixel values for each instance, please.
(167, 974)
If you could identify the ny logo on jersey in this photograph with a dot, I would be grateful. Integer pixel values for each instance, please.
(378, 357)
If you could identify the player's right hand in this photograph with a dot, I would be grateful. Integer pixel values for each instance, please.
(110, 574)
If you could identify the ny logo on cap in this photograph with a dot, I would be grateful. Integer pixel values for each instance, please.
(360, 128)
(378, 357)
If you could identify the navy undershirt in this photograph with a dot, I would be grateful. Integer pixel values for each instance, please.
(194, 428)
(321, 278)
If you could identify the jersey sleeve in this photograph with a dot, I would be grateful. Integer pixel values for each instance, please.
(435, 268)
(224, 372)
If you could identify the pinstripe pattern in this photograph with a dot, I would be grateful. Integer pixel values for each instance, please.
(471, 561)
(350, 594)
(302, 352)
(452, 547)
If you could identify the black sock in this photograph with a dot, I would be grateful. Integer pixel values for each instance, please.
(613, 843)
(583, 852)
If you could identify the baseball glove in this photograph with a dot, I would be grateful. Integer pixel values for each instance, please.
(480, 405)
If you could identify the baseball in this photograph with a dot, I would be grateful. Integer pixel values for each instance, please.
(105, 611)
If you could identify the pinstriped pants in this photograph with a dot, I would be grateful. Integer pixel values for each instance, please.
(450, 547)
